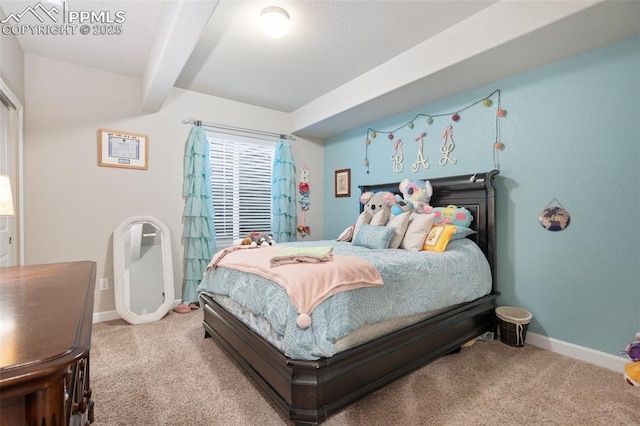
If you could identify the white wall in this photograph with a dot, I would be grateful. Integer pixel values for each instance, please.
(12, 63)
(72, 206)
(12, 76)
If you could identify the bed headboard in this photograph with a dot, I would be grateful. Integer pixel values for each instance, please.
(474, 192)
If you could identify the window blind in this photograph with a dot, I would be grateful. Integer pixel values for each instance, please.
(240, 185)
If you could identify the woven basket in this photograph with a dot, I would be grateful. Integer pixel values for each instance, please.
(513, 323)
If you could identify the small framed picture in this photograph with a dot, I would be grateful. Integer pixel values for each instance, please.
(122, 149)
(343, 183)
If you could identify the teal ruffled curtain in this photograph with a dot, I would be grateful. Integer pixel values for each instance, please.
(283, 194)
(199, 233)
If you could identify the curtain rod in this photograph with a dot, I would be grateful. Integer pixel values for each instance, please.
(237, 129)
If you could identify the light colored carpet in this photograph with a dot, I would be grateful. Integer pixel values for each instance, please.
(166, 373)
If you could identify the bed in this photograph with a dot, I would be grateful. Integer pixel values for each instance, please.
(310, 390)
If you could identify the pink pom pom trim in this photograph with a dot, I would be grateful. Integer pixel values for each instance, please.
(303, 321)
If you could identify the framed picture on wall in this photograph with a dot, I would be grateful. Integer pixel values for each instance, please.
(122, 149)
(343, 183)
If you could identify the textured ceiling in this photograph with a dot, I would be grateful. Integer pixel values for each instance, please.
(330, 43)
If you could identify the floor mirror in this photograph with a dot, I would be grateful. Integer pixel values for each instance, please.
(142, 269)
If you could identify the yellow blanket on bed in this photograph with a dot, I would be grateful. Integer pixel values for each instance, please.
(307, 284)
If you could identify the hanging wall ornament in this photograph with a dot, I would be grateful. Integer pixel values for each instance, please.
(303, 187)
(554, 217)
(421, 161)
(447, 146)
(397, 156)
(366, 151)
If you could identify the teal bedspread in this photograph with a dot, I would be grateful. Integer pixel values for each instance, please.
(414, 282)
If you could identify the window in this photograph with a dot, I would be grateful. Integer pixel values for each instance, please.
(241, 185)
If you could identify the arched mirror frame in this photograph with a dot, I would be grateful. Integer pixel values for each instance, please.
(119, 271)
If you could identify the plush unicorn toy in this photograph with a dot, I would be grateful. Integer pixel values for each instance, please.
(417, 193)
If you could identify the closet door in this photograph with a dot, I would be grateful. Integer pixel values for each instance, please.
(6, 240)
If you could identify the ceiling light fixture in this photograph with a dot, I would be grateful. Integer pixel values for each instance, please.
(274, 21)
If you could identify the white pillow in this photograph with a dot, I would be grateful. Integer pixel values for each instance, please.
(381, 218)
(347, 234)
(400, 223)
(419, 227)
(365, 217)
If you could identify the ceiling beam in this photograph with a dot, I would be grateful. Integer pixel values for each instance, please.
(179, 28)
(425, 73)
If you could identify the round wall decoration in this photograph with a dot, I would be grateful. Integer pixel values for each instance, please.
(554, 218)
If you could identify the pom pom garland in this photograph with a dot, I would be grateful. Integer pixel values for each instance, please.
(429, 118)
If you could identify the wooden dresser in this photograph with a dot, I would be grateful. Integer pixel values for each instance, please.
(46, 313)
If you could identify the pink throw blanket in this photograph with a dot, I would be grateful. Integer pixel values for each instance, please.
(307, 284)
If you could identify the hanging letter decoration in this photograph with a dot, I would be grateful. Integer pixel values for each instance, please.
(397, 156)
(447, 147)
(421, 161)
(303, 186)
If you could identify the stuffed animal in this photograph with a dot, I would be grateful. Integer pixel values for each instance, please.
(452, 215)
(256, 239)
(417, 193)
(401, 206)
(632, 369)
(378, 205)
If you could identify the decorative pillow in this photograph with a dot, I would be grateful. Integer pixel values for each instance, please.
(381, 218)
(462, 232)
(417, 231)
(439, 237)
(373, 237)
(399, 223)
(453, 215)
(347, 234)
(365, 217)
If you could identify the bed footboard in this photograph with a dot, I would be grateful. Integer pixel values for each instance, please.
(310, 391)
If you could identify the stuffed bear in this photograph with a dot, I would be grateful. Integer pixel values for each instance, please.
(256, 239)
(417, 193)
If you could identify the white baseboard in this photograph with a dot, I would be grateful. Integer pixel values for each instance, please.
(601, 359)
(113, 315)
(105, 316)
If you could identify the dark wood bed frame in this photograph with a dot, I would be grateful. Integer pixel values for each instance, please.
(310, 391)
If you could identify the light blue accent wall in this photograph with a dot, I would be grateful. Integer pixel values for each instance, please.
(572, 133)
